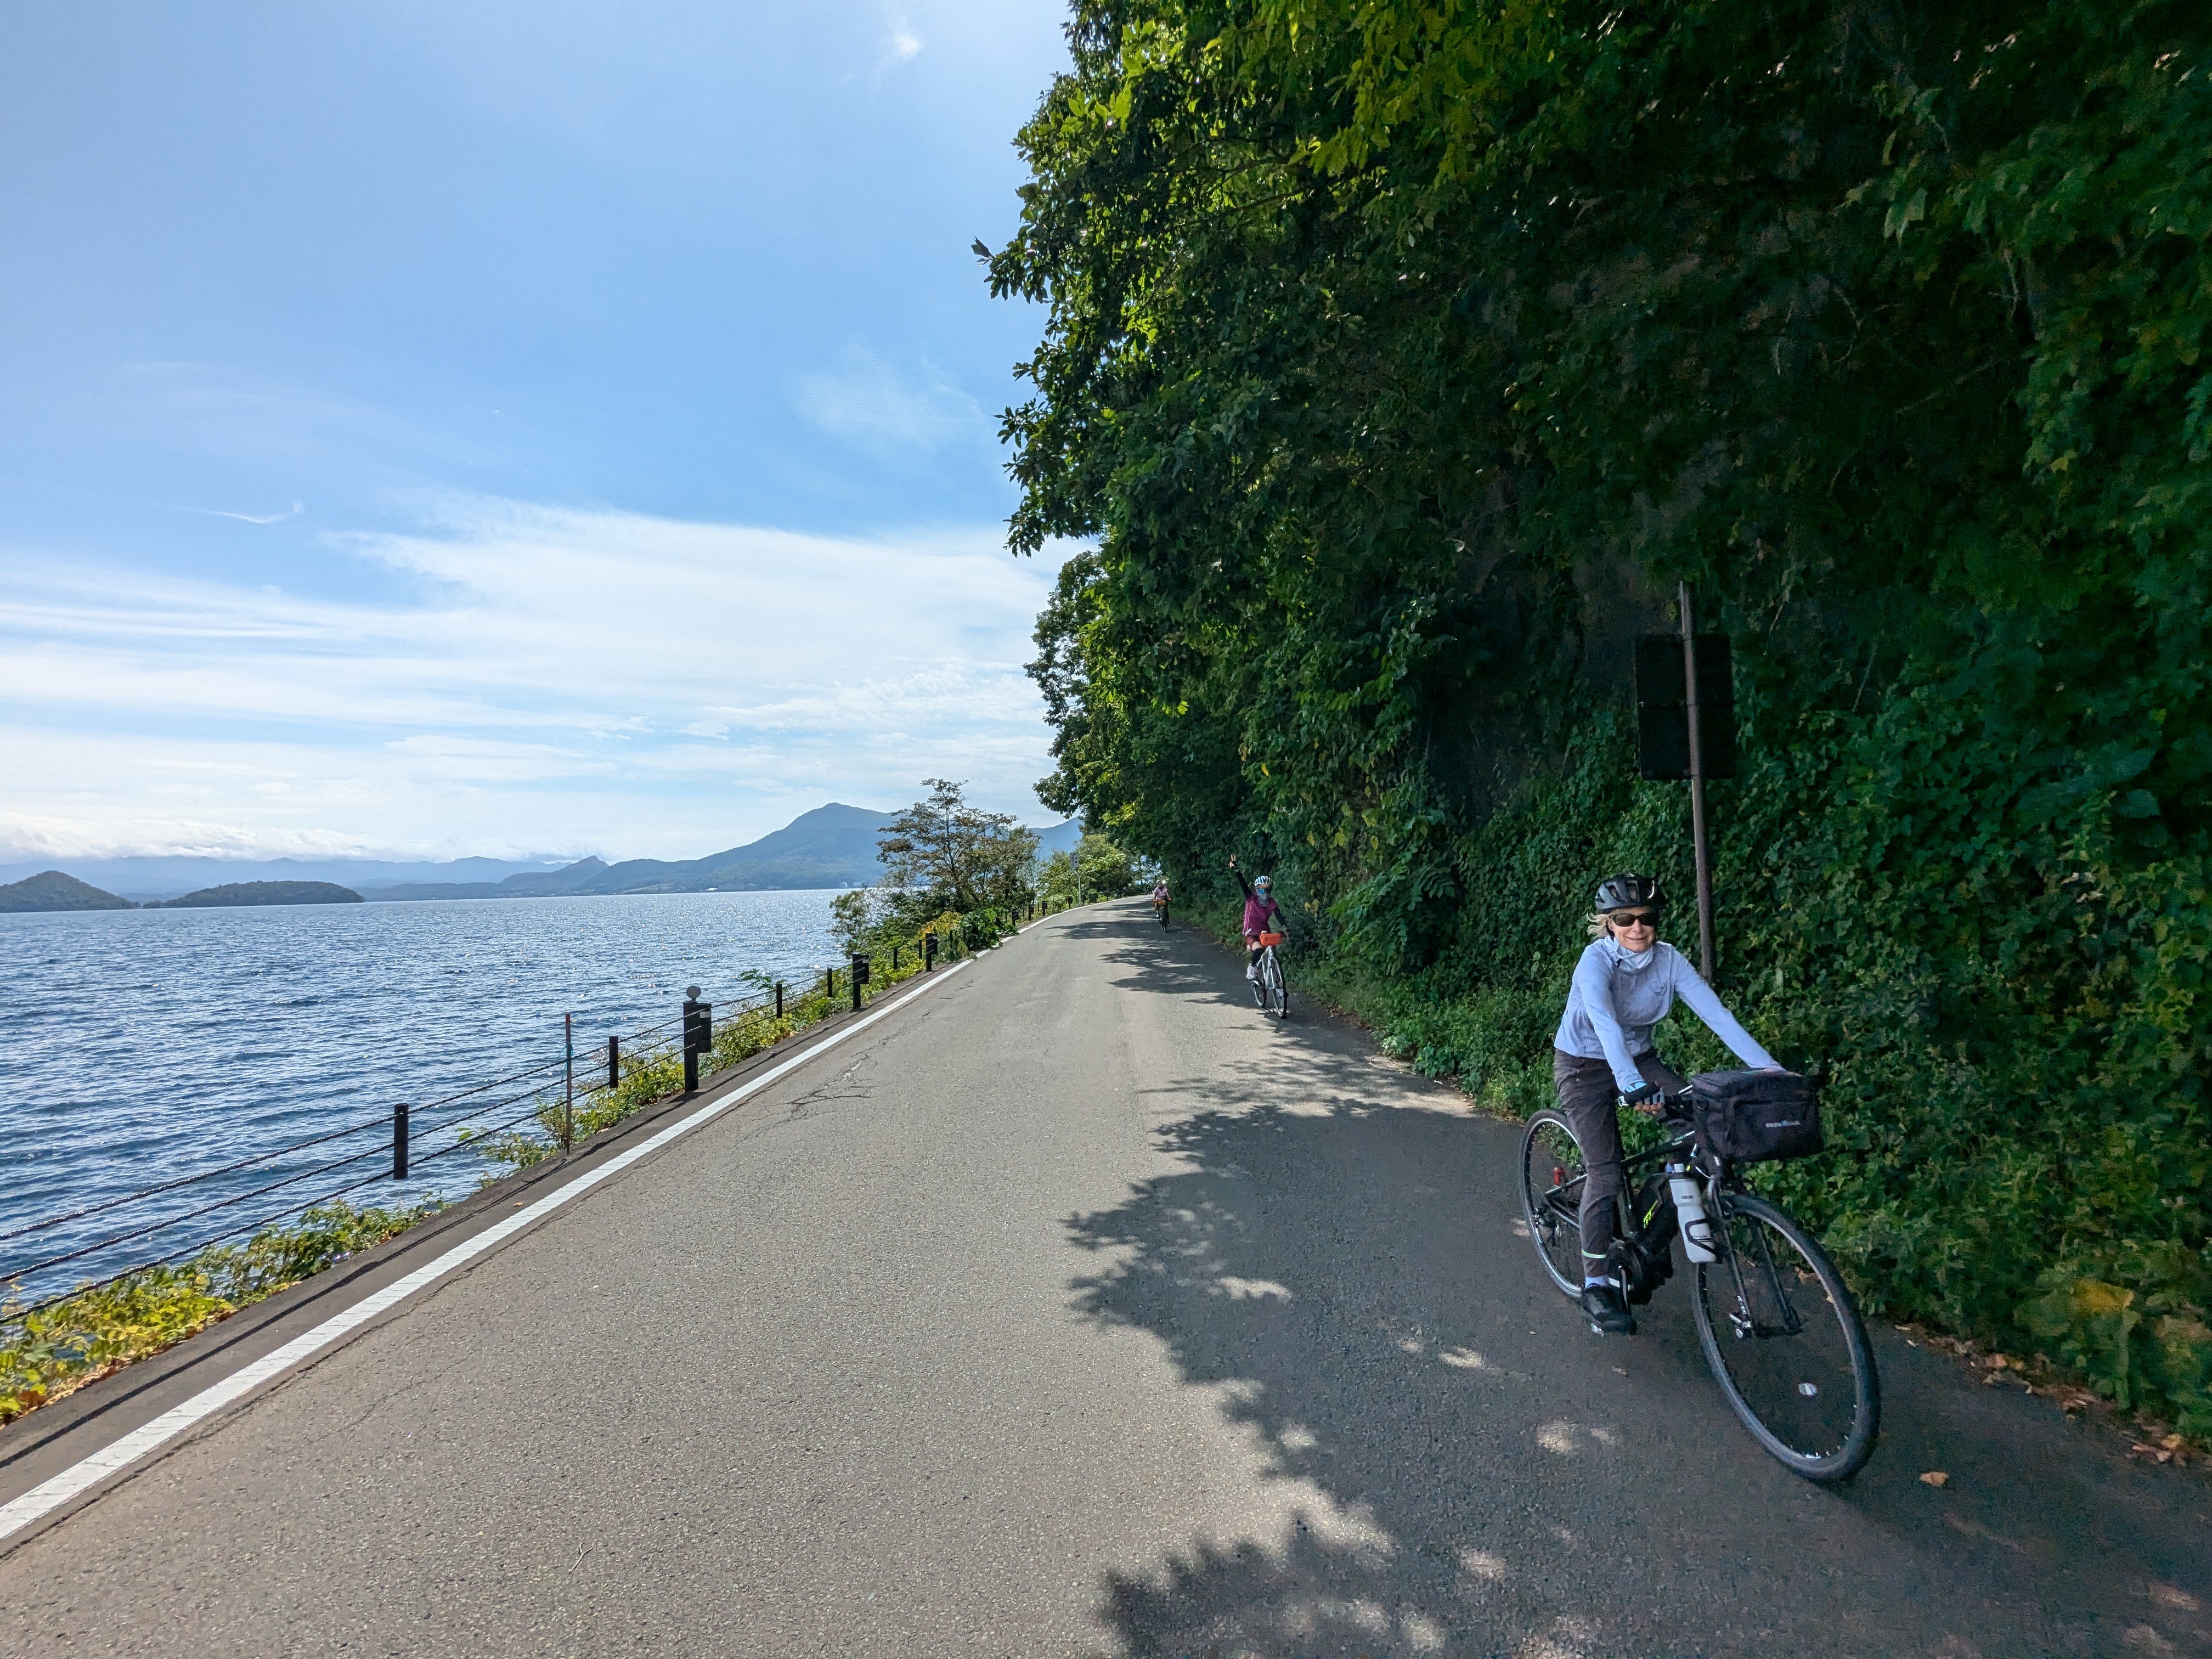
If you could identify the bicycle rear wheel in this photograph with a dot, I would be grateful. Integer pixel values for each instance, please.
(1552, 1197)
(1784, 1341)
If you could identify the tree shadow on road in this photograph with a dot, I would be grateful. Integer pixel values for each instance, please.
(1339, 1262)
(1175, 961)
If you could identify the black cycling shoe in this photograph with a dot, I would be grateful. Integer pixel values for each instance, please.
(1607, 1314)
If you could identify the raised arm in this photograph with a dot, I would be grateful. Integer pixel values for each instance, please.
(1690, 987)
(1239, 874)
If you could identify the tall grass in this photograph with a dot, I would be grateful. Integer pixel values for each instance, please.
(58, 1349)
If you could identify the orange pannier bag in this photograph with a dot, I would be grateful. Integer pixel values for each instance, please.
(1271, 938)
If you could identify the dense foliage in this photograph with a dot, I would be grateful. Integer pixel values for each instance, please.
(1098, 867)
(1401, 357)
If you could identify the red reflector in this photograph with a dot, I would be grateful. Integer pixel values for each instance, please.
(1559, 1176)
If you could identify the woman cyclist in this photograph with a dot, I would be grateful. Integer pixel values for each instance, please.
(1625, 983)
(1260, 907)
(1160, 900)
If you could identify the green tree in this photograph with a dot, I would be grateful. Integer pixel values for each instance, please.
(854, 916)
(963, 858)
(1099, 868)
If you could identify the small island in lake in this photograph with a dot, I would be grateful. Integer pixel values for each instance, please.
(50, 889)
(266, 892)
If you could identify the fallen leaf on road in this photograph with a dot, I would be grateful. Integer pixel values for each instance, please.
(1935, 1477)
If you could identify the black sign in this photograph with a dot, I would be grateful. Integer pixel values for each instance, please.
(1663, 724)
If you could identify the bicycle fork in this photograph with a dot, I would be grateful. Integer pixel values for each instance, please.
(1741, 1320)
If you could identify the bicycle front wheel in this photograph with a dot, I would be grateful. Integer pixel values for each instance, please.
(1552, 1197)
(1785, 1342)
(1278, 994)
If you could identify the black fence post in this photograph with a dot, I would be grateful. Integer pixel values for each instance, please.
(697, 1035)
(568, 1082)
(928, 952)
(614, 1061)
(829, 984)
(779, 999)
(895, 957)
(399, 1141)
(860, 977)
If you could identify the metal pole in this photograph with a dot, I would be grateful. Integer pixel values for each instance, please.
(568, 1081)
(855, 977)
(779, 999)
(1700, 844)
(614, 1061)
(399, 1141)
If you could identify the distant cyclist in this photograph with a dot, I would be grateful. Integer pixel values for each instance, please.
(1625, 983)
(1160, 899)
(1260, 909)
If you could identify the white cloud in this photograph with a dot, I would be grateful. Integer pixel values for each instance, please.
(867, 401)
(298, 508)
(532, 677)
(902, 41)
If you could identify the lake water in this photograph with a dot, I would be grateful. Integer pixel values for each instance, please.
(140, 1045)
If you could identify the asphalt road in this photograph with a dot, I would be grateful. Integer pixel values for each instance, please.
(1074, 1309)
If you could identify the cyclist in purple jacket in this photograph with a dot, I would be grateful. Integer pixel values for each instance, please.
(1260, 907)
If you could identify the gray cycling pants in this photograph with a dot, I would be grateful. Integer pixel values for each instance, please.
(1587, 1096)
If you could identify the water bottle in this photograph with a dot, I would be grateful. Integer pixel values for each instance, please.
(1689, 1214)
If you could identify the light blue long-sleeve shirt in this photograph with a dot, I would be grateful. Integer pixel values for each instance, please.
(1618, 997)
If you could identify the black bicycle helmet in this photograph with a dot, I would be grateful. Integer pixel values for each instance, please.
(1631, 893)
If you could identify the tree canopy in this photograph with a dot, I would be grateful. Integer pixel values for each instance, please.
(965, 859)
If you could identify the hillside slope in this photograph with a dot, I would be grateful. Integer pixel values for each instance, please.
(50, 889)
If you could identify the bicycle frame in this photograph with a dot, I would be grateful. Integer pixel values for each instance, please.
(1646, 1207)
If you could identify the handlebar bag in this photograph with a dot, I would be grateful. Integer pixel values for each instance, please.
(1271, 938)
(1755, 1117)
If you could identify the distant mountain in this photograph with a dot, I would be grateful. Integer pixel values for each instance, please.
(50, 889)
(832, 846)
(569, 878)
(1060, 838)
(264, 892)
(166, 877)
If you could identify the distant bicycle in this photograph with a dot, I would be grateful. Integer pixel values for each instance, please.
(1267, 982)
(1778, 1325)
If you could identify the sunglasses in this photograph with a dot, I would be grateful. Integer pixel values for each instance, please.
(1633, 918)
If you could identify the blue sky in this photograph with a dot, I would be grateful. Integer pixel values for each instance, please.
(479, 427)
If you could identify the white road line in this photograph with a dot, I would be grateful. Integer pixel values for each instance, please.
(49, 1495)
